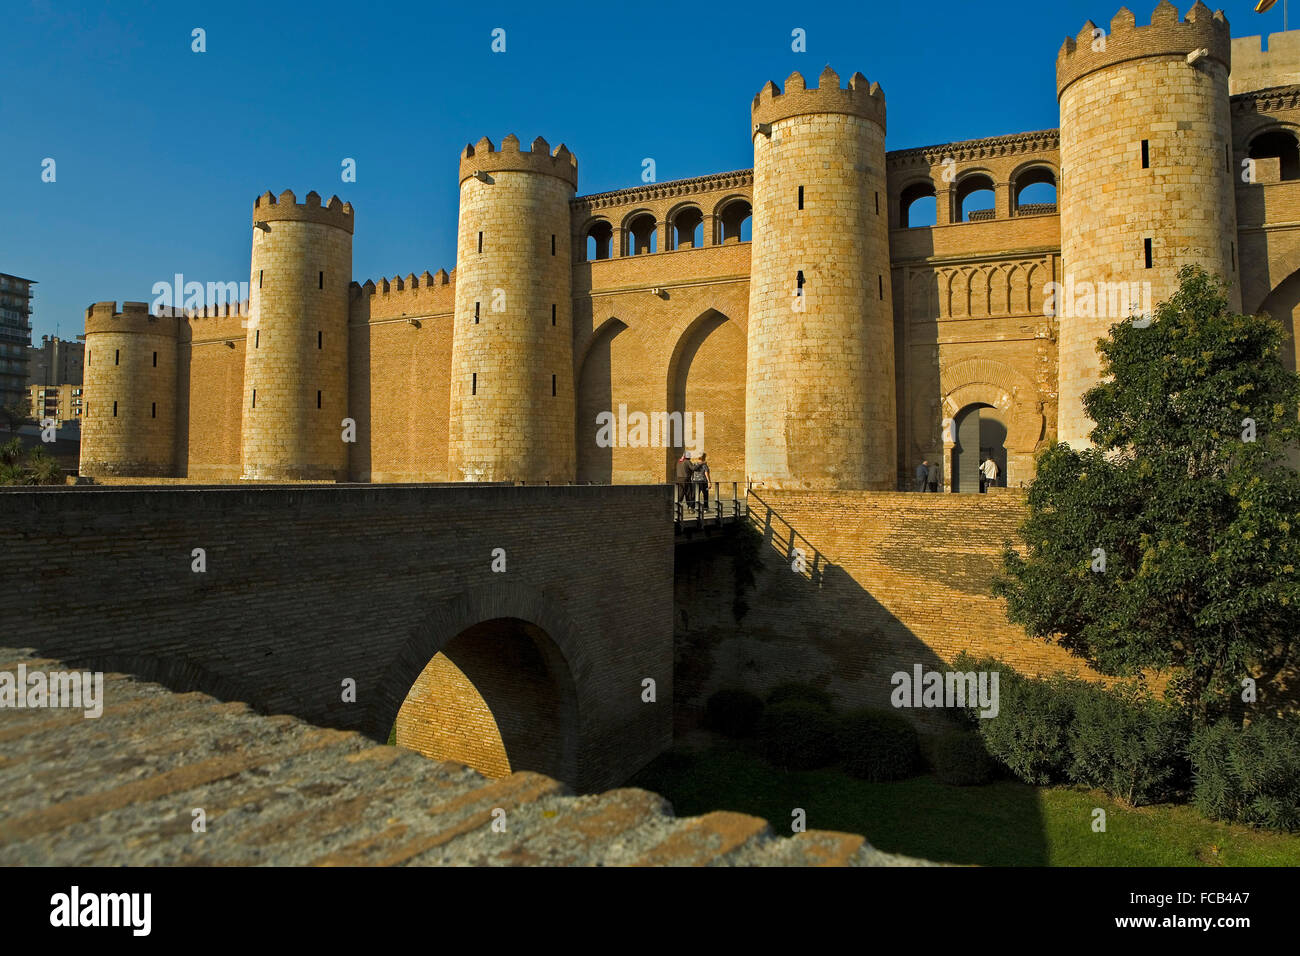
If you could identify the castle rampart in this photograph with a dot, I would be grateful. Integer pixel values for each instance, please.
(1146, 181)
(131, 392)
(820, 399)
(662, 294)
(512, 361)
(296, 364)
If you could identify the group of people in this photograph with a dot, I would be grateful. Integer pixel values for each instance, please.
(693, 480)
(988, 472)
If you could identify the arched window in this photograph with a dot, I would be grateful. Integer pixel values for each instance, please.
(974, 198)
(600, 236)
(686, 229)
(736, 220)
(1280, 145)
(641, 230)
(917, 206)
(1034, 192)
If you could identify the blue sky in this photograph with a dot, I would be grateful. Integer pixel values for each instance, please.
(160, 151)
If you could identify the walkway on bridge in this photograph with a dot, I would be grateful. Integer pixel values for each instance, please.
(693, 518)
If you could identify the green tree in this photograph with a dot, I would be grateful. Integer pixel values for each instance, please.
(1186, 500)
(14, 416)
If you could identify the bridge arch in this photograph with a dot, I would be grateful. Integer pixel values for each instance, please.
(493, 678)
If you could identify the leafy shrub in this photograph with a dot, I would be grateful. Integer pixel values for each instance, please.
(966, 663)
(733, 712)
(43, 467)
(798, 735)
(961, 759)
(11, 452)
(803, 692)
(34, 467)
(1249, 775)
(1128, 744)
(878, 745)
(1031, 733)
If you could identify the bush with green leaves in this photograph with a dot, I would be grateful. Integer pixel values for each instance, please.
(959, 758)
(32, 467)
(798, 735)
(733, 712)
(1031, 733)
(805, 692)
(1249, 775)
(878, 745)
(1129, 744)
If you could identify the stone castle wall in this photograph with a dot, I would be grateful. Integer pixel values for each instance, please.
(820, 396)
(958, 311)
(131, 391)
(307, 586)
(512, 369)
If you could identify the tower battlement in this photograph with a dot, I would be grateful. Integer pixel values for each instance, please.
(1165, 35)
(860, 98)
(285, 207)
(134, 317)
(484, 157)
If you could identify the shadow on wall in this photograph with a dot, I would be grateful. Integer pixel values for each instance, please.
(806, 619)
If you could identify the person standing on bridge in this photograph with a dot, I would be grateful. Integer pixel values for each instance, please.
(923, 475)
(684, 479)
(702, 480)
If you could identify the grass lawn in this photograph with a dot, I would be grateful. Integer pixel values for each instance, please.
(1006, 823)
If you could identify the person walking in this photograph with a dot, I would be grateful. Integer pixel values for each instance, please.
(923, 475)
(683, 477)
(702, 480)
(990, 473)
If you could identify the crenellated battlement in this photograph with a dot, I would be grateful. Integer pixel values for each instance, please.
(1166, 35)
(213, 311)
(859, 98)
(134, 317)
(411, 283)
(484, 157)
(285, 207)
(398, 297)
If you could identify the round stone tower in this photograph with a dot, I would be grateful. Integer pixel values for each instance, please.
(129, 427)
(1146, 182)
(512, 405)
(296, 354)
(819, 391)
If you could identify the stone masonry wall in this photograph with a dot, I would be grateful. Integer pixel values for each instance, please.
(307, 585)
(892, 580)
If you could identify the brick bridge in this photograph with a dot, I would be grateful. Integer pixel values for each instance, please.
(306, 589)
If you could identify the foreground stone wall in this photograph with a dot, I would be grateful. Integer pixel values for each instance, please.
(121, 789)
(308, 586)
